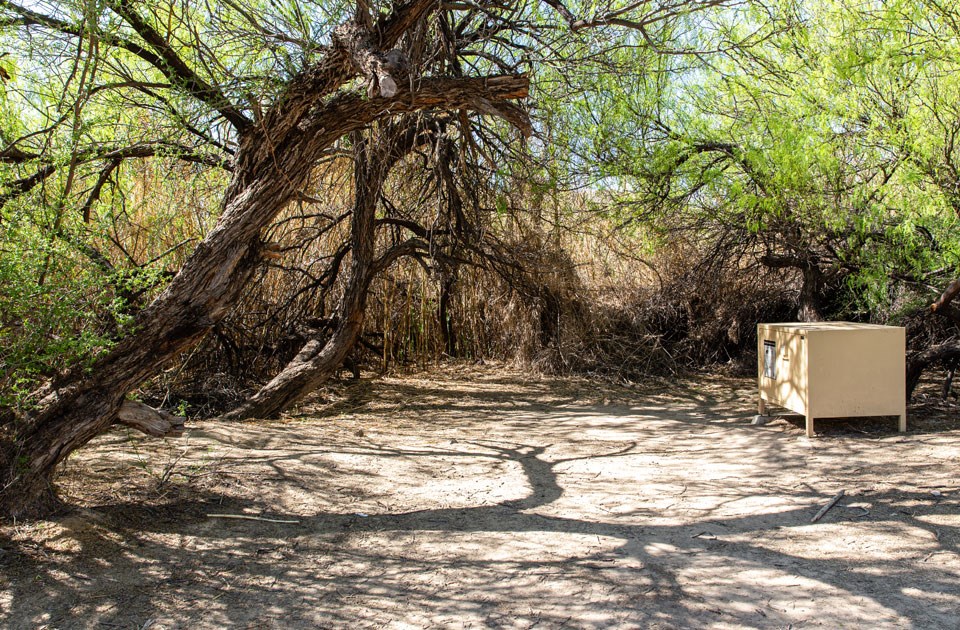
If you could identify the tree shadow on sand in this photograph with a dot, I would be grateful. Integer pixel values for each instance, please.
(498, 565)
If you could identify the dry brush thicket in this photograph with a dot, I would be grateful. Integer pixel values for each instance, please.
(224, 207)
(552, 284)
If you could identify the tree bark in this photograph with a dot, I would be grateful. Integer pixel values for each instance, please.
(447, 332)
(318, 360)
(811, 295)
(272, 163)
(916, 364)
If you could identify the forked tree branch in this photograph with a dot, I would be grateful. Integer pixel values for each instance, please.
(176, 69)
(22, 186)
(160, 54)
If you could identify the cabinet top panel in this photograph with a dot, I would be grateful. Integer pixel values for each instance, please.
(801, 327)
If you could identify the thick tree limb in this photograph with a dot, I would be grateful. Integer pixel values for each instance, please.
(350, 112)
(148, 420)
(917, 363)
(407, 248)
(508, 111)
(412, 226)
(564, 12)
(14, 155)
(25, 184)
(157, 149)
(952, 290)
(337, 67)
(355, 41)
(786, 261)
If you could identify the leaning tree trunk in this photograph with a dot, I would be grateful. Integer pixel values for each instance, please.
(318, 360)
(197, 298)
(271, 165)
(811, 294)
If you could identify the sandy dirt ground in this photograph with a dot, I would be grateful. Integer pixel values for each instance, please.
(486, 498)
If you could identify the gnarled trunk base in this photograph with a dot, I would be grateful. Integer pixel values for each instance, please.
(29, 465)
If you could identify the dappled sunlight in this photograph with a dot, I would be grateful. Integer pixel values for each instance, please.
(465, 510)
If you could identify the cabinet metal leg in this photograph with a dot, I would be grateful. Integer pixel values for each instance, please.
(809, 426)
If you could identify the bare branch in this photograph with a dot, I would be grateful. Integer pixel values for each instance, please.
(26, 184)
(102, 179)
(164, 59)
(19, 187)
(176, 70)
(406, 248)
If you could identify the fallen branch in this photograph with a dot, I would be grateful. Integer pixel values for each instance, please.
(920, 361)
(247, 517)
(151, 421)
(952, 290)
(827, 507)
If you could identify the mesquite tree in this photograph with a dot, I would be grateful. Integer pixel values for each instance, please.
(319, 358)
(262, 91)
(824, 150)
(275, 148)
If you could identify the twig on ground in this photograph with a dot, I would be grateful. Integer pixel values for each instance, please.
(933, 553)
(247, 517)
(827, 507)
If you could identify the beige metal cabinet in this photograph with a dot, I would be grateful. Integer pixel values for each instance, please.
(833, 370)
